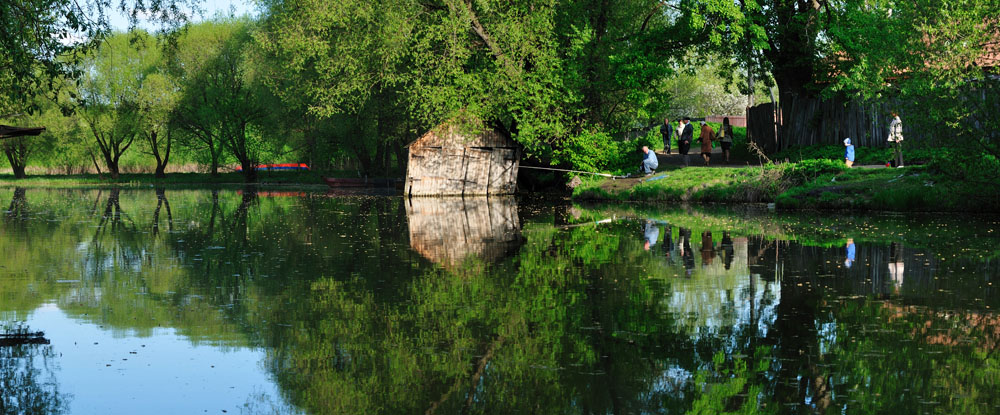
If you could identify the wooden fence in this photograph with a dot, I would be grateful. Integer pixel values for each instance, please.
(806, 121)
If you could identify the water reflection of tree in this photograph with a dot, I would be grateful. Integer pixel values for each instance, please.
(354, 321)
(18, 208)
(116, 242)
(162, 202)
(563, 325)
(27, 378)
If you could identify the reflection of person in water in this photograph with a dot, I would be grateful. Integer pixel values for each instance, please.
(685, 246)
(651, 233)
(707, 248)
(850, 253)
(896, 265)
(727, 249)
(668, 242)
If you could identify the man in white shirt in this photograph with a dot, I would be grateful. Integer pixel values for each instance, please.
(896, 136)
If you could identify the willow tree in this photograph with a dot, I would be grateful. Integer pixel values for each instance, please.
(223, 102)
(111, 90)
(157, 100)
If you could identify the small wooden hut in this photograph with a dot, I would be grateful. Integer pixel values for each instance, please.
(454, 159)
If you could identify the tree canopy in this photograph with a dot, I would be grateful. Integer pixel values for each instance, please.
(346, 85)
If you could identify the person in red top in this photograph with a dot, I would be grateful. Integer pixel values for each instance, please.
(706, 137)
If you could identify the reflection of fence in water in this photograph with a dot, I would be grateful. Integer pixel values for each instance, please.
(447, 230)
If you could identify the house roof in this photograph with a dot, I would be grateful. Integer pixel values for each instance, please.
(457, 134)
(991, 55)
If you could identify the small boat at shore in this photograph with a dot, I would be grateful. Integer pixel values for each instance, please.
(361, 182)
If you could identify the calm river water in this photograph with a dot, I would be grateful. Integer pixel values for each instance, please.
(262, 302)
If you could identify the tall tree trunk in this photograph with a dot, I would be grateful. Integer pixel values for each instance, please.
(18, 171)
(94, 160)
(215, 161)
(401, 159)
(159, 173)
(112, 165)
(161, 161)
(16, 158)
(249, 171)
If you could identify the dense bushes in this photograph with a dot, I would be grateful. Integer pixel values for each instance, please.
(596, 151)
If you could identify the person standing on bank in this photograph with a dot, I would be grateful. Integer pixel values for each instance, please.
(666, 131)
(896, 136)
(726, 137)
(848, 152)
(706, 136)
(684, 140)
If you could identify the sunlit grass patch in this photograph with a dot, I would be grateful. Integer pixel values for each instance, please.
(812, 184)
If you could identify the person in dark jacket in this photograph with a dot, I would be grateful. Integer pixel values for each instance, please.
(666, 131)
(684, 141)
(725, 137)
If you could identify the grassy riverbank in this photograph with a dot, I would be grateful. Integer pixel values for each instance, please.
(811, 184)
(172, 179)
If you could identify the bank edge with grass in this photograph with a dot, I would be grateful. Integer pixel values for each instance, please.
(808, 184)
(296, 178)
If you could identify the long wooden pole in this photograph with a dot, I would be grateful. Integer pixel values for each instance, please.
(573, 171)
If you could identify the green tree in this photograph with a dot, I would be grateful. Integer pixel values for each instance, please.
(40, 38)
(21, 150)
(111, 93)
(157, 100)
(935, 63)
(223, 102)
(543, 73)
(911, 50)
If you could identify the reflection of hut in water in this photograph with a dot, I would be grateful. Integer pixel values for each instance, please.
(448, 230)
(456, 159)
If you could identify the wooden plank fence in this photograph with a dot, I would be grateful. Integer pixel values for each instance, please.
(807, 121)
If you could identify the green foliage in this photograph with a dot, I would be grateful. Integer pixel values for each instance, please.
(111, 94)
(44, 40)
(811, 169)
(224, 101)
(552, 76)
(599, 152)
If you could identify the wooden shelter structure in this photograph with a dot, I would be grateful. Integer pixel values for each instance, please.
(7, 131)
(454, 159)
(448, 231)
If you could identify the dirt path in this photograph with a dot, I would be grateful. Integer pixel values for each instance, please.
(694, 158)
(718, 160)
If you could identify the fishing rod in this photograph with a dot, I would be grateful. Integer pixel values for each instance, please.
(574, 171)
